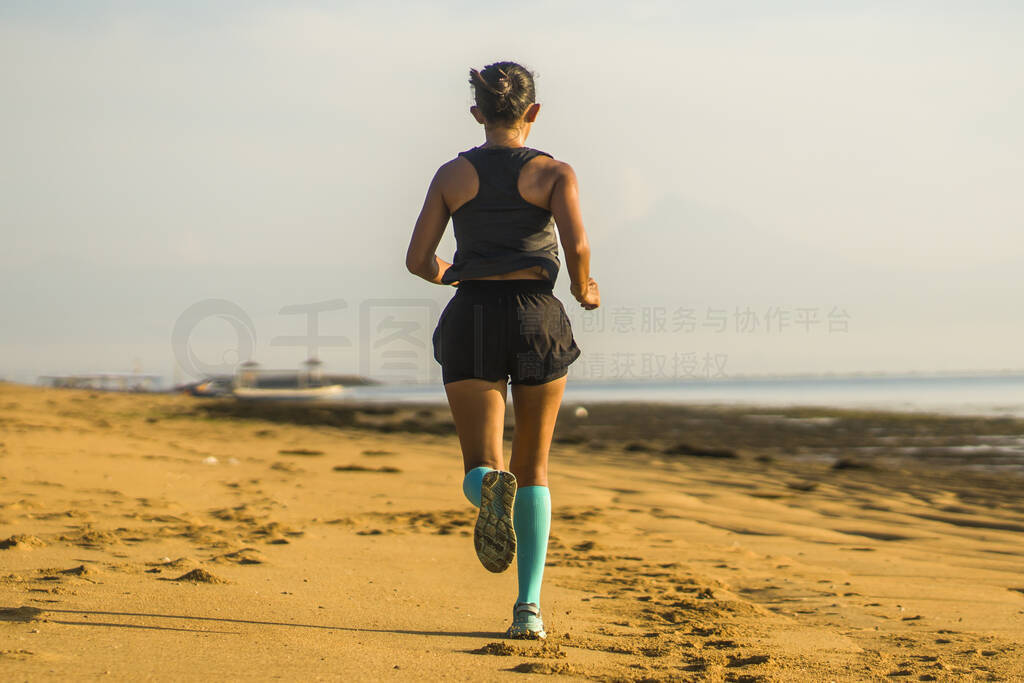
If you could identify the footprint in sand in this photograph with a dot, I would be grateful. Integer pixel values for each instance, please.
(20, 614)
(309, 452)
(87, 537)
(721, 644)
(199, 576)
(180, 563)
(738, 661)
(82, 570)
(243, 556)
(545, 651)
(361, 468)
(273, 533)
(21, 542)
(548, 668)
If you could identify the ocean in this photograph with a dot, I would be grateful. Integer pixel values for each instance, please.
(987, 395)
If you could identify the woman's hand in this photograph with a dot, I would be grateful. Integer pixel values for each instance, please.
(589, 298)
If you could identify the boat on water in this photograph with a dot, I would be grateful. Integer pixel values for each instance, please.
(285, 394)
(307, 384)
(209, 387)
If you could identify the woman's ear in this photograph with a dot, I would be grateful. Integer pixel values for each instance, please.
(531, 112)
(477, 114)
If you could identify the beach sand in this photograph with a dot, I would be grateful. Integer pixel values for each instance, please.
(159, 537)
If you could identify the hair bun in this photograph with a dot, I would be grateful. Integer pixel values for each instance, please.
(503, 90)
(504, 85)
(476, 79)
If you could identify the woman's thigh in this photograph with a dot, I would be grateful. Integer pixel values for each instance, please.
(536, 409)
(478, 409)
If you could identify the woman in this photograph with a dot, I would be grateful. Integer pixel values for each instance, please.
(504, 325)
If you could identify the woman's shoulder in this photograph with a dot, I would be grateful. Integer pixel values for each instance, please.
(454, 169)
(456, 181)
(551, 167)
(543, 157)
(540, 176)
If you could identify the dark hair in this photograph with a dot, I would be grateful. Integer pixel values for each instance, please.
(504, 91)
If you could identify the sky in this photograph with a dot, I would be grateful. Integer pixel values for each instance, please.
(768, 188)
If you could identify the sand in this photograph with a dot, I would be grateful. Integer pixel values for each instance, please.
(157, 537)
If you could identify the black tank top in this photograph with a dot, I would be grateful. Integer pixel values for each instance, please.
(498, 231)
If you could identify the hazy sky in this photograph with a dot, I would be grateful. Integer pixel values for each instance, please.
(861, 161)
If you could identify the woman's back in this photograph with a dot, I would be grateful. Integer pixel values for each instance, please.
(497, 230)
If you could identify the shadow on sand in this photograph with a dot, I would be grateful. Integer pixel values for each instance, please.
(29, 614)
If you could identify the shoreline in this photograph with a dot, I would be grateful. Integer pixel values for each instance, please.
(786, 434)
(994, 395)
(997, 393)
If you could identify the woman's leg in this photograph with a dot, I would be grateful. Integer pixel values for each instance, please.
(536, 410)
(478, 409)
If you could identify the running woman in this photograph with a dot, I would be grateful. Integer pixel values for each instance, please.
(504, 326)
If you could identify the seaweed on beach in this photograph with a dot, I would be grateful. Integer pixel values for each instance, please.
(699, 451)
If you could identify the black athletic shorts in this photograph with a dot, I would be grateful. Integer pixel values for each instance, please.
(498, 329)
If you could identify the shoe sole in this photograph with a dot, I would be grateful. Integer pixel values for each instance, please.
(493, 536)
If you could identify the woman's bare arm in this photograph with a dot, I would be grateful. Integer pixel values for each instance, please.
(565, 207)
(421, 258)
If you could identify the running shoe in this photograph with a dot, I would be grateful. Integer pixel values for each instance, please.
(526, 623)
(494, 537)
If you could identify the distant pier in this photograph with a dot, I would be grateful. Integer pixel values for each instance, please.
(104, 381)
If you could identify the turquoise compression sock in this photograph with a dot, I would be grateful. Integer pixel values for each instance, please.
(531, 519)
(473, 482)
